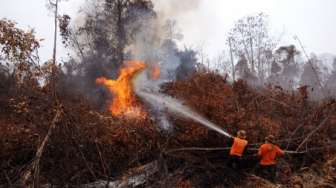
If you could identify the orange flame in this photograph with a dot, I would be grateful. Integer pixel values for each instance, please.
(155, 72)
(124, 102)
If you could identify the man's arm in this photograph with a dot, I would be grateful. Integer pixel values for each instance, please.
(280, 152)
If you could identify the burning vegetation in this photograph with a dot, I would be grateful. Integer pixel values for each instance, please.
(124, 102)
(169, 117)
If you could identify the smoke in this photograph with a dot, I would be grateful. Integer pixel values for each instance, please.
(151, 36)
(155, 43)
(175, 8)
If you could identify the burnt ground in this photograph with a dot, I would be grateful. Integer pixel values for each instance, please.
(87, 145)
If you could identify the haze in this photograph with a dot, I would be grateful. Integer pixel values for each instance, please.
(205, 24)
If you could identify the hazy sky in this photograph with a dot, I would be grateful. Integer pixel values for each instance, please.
(207, 24)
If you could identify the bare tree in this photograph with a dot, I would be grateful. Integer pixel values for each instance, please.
(311, 77)
(250, 37)
(109, 27)
(33, 172)
(232, 61)
(53, 6)
(312, 69)
(331, 80)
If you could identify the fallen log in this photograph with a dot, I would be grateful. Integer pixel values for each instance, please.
(134, 177)
(325, 120)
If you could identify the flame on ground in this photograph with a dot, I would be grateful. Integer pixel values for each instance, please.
(124, 102)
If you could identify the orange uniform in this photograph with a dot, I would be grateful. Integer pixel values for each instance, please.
(238, 147)
(268, 153)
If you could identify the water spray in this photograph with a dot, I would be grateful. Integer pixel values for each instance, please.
(178, 108)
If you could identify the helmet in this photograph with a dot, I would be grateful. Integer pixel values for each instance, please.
(241, 134)
(270, 138)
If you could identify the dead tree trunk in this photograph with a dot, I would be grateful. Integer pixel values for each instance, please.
(232, 63)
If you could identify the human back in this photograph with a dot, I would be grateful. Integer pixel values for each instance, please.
(269, 152)
(238, 146)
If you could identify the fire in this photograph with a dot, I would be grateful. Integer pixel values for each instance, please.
(124, 102)
(155, 72)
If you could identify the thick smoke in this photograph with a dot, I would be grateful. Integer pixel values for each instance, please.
(148, 33)
(156, 44)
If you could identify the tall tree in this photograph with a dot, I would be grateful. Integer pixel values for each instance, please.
(331, 81)
(231, 59)
(250, 37)
(53, 6)
(244, 72)
(109, 27)
(188, 58)
(101, 42)
(311, 77)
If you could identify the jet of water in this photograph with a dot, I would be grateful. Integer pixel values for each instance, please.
(178, 108)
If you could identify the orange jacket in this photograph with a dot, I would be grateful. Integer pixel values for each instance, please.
(238, 147)
(268, 154)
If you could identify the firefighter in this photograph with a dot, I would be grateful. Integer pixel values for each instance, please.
(239, 144)
(268, 152)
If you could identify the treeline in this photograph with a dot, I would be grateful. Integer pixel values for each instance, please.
(112, 31)
(255, 55)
